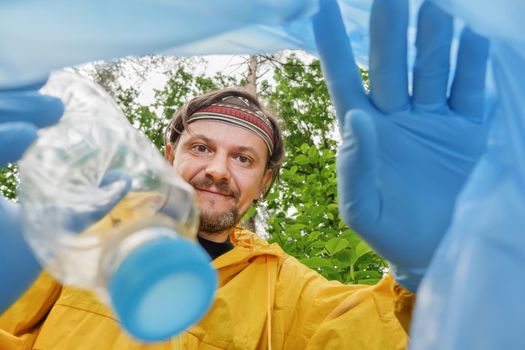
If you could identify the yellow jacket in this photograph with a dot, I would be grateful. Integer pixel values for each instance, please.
(266, 299)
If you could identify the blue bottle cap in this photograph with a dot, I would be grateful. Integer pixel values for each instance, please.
(162, 288)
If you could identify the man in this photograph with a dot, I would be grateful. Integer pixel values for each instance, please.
(230, 150)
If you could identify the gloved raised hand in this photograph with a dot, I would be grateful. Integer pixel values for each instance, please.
(404, 157)
(22, 112)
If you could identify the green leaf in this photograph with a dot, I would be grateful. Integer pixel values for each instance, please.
(318, 244)
(351, 237)
(315, 262)
(313, 155)
(344, 257)
(361, 275)
(273, 195)
(249, 213)
(361, 249)
(336, 245)
(301, 159)
(333, 275)
(313, 236)
(370, 281)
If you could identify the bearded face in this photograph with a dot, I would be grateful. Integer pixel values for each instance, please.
(214, 217)
(226, 165)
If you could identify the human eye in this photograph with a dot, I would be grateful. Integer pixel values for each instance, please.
(200, 148)
(244, 159)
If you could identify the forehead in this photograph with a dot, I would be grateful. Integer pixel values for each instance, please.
(225, 135)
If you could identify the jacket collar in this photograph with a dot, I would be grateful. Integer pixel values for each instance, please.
(247, 246)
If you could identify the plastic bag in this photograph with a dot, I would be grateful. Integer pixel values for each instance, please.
(472, 295)
(39, 36)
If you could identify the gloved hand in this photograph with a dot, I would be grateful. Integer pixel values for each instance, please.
(115, 184)
(22, 111)
(404, 158)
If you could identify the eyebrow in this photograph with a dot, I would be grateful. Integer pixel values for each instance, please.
(247, 149)
(199, 136)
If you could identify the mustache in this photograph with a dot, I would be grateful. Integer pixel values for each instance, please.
(223, 187)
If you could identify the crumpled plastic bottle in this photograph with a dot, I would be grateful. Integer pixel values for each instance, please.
(104, 211)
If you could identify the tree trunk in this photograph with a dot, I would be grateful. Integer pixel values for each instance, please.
(251, 78)
(251, 86)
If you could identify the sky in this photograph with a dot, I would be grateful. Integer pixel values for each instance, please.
(226, 64)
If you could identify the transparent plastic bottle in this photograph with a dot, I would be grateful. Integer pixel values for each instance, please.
(104, 211)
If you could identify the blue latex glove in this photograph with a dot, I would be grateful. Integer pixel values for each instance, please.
(22, 111)
(404, 158)
(16, 254)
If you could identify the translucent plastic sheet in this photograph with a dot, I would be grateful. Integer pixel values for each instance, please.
(473, 294)
(39, 36)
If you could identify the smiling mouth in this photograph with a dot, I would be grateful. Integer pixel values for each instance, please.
(215, 193)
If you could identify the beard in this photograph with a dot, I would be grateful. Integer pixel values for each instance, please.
(217, 222)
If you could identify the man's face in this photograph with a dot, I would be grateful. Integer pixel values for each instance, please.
(226, 165)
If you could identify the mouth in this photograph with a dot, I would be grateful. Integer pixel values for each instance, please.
(214, 192)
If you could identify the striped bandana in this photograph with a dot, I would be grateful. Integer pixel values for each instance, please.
(238, 111)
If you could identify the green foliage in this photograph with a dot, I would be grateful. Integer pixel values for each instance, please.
(304, 217)
(9, 181)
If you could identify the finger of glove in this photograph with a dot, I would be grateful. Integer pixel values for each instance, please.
(30, 107)
(388, 55)
(467, 94)
(359, 199)
(337, 60)
(15, 138)
(31, 86)
(116, 184)
(18, 266)
(432, 66)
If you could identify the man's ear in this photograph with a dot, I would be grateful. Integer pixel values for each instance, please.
(169, 152)
(264, 182)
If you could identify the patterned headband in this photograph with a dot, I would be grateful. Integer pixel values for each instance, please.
(238, 111)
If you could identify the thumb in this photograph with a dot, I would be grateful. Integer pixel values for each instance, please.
(19, 266)
(359, 198)
(15, 138)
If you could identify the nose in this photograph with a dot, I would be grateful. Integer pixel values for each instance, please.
(217, 168)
